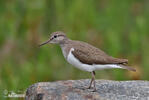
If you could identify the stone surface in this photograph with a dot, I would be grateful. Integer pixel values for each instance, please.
(76, 90)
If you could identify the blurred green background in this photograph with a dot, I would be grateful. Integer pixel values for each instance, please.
(119, 27)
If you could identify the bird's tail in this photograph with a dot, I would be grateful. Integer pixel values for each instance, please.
(127, 67)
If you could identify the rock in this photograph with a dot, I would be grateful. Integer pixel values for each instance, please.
(76, 90)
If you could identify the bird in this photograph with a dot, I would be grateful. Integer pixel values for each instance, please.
(86, 57)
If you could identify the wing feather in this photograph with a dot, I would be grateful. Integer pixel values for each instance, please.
(92, 55)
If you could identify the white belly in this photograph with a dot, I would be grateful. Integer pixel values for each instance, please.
(72, 60)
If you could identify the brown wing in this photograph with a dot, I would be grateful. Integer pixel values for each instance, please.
(92, 55)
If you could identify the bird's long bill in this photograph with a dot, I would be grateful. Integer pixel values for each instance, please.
(45, 43)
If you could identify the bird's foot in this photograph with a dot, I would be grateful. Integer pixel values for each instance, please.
(89, 87)
(94, 90)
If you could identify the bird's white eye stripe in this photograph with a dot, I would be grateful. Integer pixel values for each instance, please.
(61, 35)
(55, 36)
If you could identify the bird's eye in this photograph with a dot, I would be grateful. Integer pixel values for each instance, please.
(55, 36)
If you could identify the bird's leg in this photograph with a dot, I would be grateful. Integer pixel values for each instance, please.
(90, 83)
(92, 80)
(93, 77)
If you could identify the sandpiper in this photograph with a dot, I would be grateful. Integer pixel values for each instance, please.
(85, 56)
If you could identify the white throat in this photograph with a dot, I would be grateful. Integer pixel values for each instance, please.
(64, 51)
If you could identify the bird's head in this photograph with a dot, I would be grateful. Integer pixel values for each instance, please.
(56, 38)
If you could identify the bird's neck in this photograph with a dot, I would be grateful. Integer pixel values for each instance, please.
(65, 46)
(65, 42)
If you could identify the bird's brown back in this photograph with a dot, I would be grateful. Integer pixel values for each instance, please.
(89, 54)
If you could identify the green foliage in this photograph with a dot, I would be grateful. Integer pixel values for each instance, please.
(118, 27)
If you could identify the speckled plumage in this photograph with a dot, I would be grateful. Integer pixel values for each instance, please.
(89, 54)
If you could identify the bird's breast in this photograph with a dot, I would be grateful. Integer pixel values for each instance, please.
(76, 63)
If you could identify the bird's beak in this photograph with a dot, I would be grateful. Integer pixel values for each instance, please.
(45, 43)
